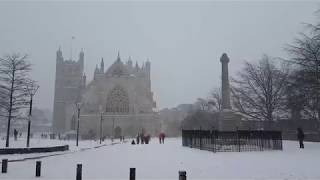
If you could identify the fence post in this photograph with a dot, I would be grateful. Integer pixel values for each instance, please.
(4, 165)
(200, 138)
(132, 175)
(214, 141)
(260, 141)
(182, 175)
(79, 172)
(238, 139)
(38, 168)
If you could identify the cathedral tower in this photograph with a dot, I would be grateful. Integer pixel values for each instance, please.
(68, 84)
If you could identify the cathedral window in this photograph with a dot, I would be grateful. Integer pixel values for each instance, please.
(117, 101)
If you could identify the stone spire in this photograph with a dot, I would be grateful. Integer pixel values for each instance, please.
(81, 59)
(59, 57)
(225, 87)
(130, 61)
(102, 66)
(96, 71)
(118, 58)
(84, 79)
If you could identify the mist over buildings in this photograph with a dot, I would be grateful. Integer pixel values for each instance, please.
(183, 40)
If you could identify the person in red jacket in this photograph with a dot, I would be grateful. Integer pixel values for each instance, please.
(161, 138)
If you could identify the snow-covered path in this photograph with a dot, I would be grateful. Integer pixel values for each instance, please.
(155, 161)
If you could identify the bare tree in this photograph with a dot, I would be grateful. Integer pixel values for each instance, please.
(202, 104)
(260, 90)
(215, 99)
(13, 79)
(305, 54)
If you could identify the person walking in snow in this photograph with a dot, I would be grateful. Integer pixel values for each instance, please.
(138, 138)
(15, 133)
(142, 138)
(160, 138)
(300, 136)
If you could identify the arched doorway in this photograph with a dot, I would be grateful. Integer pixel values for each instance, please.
(117, 132)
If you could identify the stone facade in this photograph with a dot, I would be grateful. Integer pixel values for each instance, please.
(121, 97)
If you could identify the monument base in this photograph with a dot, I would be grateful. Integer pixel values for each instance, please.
(229, 120)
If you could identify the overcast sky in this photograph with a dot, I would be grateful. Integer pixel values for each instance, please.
(183, 40)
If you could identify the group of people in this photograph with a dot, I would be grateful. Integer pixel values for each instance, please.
(121, 138)
(16, 133)
(145, 139)
(142, 138)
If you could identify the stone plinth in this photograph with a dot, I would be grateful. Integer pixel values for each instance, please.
(229, 120)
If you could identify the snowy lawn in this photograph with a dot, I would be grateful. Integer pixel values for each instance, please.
(38, 142)
(163, 161)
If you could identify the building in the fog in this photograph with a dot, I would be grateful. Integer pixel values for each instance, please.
(121, 96)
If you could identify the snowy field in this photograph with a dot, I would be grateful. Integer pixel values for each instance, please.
(163, 161)
(38, 142)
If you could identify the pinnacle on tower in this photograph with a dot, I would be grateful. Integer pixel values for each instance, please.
(118, 58)
(129, 61)
(81, 54)
(84, 79)
(59, 54)
(59, 50)
(102, 66)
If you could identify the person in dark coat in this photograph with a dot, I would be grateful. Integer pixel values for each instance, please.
(132, 142)
(15, 133)
(142, 138)
(147, 139)
(138, 138)
(300, 136)
(160, 138)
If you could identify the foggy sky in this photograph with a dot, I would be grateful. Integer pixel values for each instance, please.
(183, 40)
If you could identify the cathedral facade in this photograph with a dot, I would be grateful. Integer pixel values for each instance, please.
(118, 101)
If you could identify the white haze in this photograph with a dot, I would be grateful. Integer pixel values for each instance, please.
(183, 40)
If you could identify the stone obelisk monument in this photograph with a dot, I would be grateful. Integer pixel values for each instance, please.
(225, 87)
(228, 119)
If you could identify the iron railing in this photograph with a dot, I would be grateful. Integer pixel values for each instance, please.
(232, 141)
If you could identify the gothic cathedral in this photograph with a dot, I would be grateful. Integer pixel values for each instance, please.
(117, 102)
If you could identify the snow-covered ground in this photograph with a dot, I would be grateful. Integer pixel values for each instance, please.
(163, 161)
(38, 142)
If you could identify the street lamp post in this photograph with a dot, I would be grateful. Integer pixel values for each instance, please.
(31, 88)
(78, 124)
(100, 127)
(101, 112)
(112, 129)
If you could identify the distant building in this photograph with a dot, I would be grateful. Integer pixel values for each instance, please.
(122, 94)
